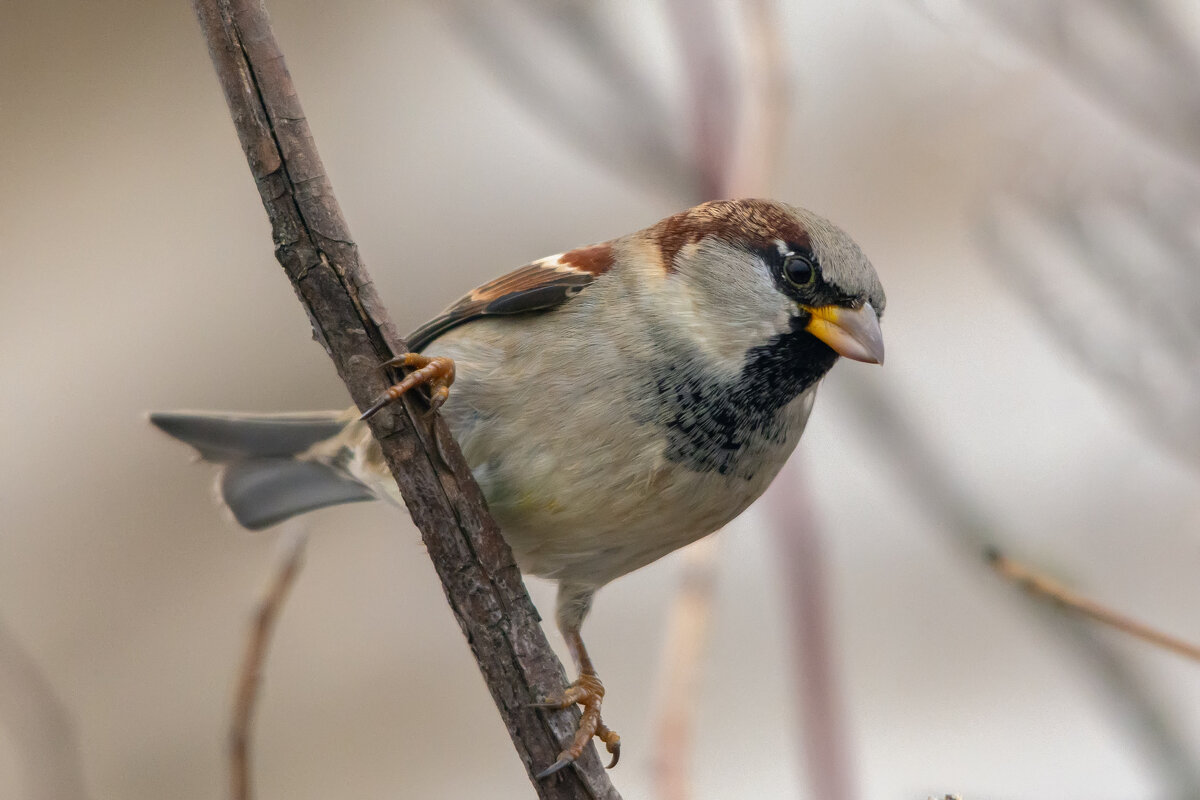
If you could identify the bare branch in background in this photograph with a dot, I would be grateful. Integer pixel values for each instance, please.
(39, 726)
(970, 531)
(1113, 267)
(767, 92)
(709, 79)
(682, 654)
(313, 244)
(608, 113)
(1045, 586)
(1112, 270)
(825, 731)
(258, 639)
(1114, 273)
(710, 90)
(1133, 55)
(580, 25)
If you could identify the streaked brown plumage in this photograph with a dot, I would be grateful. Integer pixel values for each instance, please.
(615, 402)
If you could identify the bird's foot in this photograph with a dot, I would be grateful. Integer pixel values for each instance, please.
(436, 372)
(587, 692)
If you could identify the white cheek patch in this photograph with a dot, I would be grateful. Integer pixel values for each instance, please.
(734, 303)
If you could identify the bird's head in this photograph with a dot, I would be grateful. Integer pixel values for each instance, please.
(749, 271)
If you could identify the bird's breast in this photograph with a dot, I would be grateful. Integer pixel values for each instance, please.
(732, 424)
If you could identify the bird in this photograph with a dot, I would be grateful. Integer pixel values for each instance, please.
(615, 402)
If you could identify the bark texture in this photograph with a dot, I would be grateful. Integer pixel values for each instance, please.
(314, 247)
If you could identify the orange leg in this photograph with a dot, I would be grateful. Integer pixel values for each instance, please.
(435, 372)
(588, 692)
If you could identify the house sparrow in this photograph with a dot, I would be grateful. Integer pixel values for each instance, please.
(615, 402)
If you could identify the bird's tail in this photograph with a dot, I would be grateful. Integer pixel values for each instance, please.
(269, 471)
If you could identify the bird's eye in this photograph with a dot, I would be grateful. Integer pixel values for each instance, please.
(799, 270)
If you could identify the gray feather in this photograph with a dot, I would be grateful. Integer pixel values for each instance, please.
(223, 437)
(264, 491)
(269, 473)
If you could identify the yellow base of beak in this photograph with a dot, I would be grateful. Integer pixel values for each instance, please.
(851, 332)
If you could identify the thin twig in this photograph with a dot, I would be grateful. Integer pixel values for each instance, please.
(314, 246)
(39, 725)
(969, 530)
(683, 654)
(710, 89)
(767, 103)
(824, 730)
(1040, 584)
(718, 171)
(258, 639)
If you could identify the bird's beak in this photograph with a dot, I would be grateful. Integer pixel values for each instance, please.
(853, 333)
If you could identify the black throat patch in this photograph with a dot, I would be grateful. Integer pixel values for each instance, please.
(715, 424)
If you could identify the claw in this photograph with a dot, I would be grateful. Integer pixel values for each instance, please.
(395, 362)
(564, 761)
(586, 691)
(378, 404)
(437, 373)
(439, 395)
(612, 743)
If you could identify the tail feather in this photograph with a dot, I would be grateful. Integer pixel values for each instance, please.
(264, 491)
(223, 437)
(267, 475)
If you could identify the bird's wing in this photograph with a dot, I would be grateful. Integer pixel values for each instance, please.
(539, 286)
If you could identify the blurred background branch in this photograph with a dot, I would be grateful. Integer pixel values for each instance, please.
(39, 725)
(1134, 56)
(682, 657)
(1103, 245)
(968, 529)
(1113, 271)
(1048, 588)
(825, 733)
(254, 659)
(558, 61)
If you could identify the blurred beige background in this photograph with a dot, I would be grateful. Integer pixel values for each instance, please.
(138, 274)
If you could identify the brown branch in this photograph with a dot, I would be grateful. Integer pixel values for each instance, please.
(1043, 586)
(258, 639)
(313, 244)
